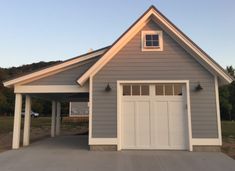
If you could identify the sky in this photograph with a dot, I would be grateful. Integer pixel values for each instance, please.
(49, 30)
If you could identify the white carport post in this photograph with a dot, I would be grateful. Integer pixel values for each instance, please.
(17, 121)
(53, 118)
(27, 119)
(58, 113)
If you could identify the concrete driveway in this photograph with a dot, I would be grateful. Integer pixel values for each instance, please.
(70, 153)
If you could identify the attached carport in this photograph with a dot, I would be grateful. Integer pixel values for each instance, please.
(57, 83)
(55, 94)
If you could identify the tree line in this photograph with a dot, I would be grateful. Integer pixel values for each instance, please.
(7, 97)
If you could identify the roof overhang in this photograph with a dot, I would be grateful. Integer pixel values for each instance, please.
(152, 12)
(52, 69)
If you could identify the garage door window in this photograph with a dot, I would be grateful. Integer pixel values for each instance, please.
(168, 90)
(136, 90)
(126, 90)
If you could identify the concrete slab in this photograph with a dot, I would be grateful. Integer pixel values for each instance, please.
(70, 153)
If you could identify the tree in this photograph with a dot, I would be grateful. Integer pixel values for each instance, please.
(7, 97)
(227, 98)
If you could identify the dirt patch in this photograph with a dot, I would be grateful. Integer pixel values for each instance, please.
(229, 147)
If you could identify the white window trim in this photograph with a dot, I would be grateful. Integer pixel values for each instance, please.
(119, 95)
(160, 36)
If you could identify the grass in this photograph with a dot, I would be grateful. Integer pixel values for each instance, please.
(228, 129)
(6, 123)
(228, 133)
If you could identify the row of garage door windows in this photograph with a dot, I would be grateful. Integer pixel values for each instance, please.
(160, 89)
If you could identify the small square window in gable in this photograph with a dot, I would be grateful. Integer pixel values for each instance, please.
(152, 40)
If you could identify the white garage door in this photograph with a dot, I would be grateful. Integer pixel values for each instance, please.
(154, 116)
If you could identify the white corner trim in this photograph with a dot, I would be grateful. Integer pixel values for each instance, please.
(119, 94)
(51, 89)
(218, 109)
(129, 35)
(90, 108)
(102, 141)
(53, 68)
(189, 115)
(160, 36)
(205, 141)
(119, 107)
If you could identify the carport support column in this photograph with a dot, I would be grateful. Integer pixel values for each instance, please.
(27, 119)
(58, 113)
(17, 122)
(53, 118)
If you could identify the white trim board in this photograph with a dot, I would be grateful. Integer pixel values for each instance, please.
(119, 95)
(218, 109)
(102, 141)
(206, 141)
(151, 12)
(90, 110)
(54, 68)
(52, 89)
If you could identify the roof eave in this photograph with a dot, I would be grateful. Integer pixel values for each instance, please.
(12, 82)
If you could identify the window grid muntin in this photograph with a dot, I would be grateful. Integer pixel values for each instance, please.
(173, 89)
(140, 89)
(150, 39)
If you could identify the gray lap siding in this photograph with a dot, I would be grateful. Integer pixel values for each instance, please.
(173, 63)
(68, 76)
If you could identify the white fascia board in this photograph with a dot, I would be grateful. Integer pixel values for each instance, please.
(51, 89)
(130, 34)
(114, 49)
(53, 68)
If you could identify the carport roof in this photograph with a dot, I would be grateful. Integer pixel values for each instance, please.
(53, 68)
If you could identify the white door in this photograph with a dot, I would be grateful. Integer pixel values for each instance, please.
(154, 116)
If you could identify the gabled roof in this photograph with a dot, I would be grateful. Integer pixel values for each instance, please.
(153, 13)
(108, 52)
(56, 67)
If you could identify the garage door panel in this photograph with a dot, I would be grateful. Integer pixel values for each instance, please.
(128, 111)
(160, 127)
(177, 120)
(143, 124)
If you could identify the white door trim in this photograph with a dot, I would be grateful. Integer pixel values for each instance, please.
(119, 95)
